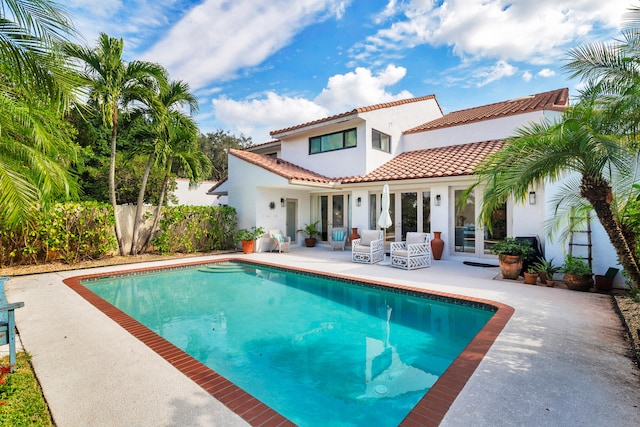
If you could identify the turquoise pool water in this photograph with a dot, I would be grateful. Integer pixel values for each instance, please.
(319, 351)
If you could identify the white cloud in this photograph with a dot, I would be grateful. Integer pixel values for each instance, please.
(526, 76)
(257, 117)
(499, 70)
(361, 88)
(216, 39)
(522, 30)
(546, 72)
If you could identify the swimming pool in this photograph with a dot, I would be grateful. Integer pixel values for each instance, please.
(319, 351)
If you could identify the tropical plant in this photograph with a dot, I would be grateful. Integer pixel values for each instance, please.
(512, 246)
(110, 80)
(215, 146)
(573, 265)
(248, 234)
(36, 90)
(310, 230)
(547, 267)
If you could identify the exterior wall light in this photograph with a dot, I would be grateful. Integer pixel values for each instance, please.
(437, 200)
(282, 202)
(532, 197)
(359, 201)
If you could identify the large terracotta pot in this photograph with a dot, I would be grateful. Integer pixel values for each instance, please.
(354, 234)
(437, 245)
(531, 278)
(310, 242)
(578, 282)
(510, 265)
(247, 246)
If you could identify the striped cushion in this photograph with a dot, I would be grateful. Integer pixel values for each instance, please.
(338, 236)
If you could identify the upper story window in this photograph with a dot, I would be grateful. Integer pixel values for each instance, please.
(381, 141)
(332, 141)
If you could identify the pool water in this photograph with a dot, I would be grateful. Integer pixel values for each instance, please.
(320, 351)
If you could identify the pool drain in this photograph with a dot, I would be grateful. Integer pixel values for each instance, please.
(381, 389)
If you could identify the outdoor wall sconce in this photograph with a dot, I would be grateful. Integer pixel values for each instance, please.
(282, 202)
(437, 200)
(359, 201)
(532, 197)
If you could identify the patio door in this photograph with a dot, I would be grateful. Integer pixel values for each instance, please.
(331, 211)
(292, 219)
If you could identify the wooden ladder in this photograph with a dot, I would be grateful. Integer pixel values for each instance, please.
(580, 239)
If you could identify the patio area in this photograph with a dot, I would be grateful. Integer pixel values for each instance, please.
(561, 360)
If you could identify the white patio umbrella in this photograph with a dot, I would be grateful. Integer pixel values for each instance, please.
(385, 216)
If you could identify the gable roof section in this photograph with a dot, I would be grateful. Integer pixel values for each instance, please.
(556, 100)
(280, 167)
(353, 112)
(453, 160)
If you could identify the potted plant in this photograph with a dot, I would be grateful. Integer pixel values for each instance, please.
(510, 253)
(546, 269)
(577, 274)
(312, 232)
(531, 276)
(248, 237)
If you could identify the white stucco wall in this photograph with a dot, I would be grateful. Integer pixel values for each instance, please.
(197, 195)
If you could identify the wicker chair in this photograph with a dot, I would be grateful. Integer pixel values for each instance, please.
(413, 253)
(338, 238)
(369, 248)
(281, 241)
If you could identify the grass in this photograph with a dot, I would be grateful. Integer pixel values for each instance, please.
(21, 399)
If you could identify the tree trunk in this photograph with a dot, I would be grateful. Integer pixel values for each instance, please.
(598, 193)
(112, 182)
(140, 206)
(156, 218)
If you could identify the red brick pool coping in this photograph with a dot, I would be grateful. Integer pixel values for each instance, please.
(429, 411)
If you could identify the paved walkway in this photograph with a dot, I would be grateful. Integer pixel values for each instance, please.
(560, 361)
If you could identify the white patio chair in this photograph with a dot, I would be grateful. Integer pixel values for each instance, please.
(338, 238)
(281, 241)
(369, 248)
(413, 253)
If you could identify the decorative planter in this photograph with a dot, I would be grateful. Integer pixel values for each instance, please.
(550, 283)
(247, 246)
(437, 245)
(530, 278)
(543, 278)
(510, 265)
(577, 282)
(604, 284)
(310, 242)
(354, 234)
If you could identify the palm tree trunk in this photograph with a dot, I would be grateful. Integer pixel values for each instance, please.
(112, 182)
(156, 218)
(598, 192)
(140, 206)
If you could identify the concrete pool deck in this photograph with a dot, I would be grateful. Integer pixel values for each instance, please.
(561, 360)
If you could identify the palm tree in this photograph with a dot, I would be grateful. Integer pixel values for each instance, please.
(551, 151)
(181, 147)
(162, 106)
(35, 91)
(110, 80)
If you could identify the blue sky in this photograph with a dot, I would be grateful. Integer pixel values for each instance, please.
(259, 65)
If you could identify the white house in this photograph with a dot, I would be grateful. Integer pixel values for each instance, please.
(333, 170)
(196, 195)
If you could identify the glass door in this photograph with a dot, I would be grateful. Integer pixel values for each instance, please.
(464, 220)
(331, 211)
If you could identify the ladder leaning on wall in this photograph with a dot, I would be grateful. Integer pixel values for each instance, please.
(580, 239)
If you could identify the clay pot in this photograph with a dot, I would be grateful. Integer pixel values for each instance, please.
(577, 282)
(603, 284)
(530, 278)
(310, 242)
(550, 283)
(354, 234)
(437, 245)
(247, 246)
(510, 265)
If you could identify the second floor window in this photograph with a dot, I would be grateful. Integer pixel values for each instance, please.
(381, 141)
(332, 141)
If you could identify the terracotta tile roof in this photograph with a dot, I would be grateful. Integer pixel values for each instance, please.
(280, 167)
(454, 160)
(556, 100)
(353, 112)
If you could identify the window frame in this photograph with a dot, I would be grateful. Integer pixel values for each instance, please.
(373, 140)
(343, 147)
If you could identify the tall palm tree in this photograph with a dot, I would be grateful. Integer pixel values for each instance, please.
(551, 151)
(35, 92)
(164, 107)
(110, 80)
(181, 147)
